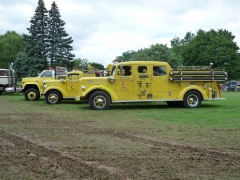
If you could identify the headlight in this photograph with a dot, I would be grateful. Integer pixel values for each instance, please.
(44, 85)
(83, 87)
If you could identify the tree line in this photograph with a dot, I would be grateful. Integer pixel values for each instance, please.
(48, 44)
(200, 49)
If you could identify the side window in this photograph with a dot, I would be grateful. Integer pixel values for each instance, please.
(142, 69)
(159, 71)
(3, 73)
(124, 71)
(48, 73)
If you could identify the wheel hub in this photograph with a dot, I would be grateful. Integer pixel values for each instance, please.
(99, 102)
(53, 98)
(32, 95)
(192, 101)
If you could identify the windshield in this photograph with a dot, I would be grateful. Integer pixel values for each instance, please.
(41, 74)
(47, 73)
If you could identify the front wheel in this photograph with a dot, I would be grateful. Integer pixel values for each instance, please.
(32, 94)
(192, 99)
(99, 100)
(53, 97)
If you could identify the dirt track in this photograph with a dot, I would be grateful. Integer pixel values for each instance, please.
(21, 156)
(139, 156)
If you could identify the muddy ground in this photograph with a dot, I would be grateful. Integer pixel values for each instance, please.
(45, 145)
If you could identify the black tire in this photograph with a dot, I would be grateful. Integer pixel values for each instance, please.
(192, 99)
(99, 100)
(32, 94)
(53, 97)
(174, 103)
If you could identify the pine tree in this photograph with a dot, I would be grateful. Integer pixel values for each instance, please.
(60, 43)
(21, 65)
(37, 44)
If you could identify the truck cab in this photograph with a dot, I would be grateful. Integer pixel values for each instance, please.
(7, 81)
(232, 86)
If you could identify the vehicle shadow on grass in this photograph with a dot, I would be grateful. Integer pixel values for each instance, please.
(129, 106)
(64, 101)
(139, 106)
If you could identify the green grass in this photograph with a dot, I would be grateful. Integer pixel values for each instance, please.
(212, 115)
(126, 133)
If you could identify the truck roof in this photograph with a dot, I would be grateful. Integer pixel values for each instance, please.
(75, 72)
(144, 63)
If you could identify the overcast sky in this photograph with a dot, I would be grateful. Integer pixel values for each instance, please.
(104, 29)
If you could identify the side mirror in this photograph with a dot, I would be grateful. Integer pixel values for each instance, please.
(111, 79)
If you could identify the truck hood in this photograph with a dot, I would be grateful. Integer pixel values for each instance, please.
(35, 78)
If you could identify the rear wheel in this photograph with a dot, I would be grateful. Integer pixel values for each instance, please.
(32, 94)
(53, 97)
(192, 99)
(99, 100)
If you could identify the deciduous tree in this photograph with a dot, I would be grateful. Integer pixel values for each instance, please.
(156, 52)
(217, 47)
(10, 44)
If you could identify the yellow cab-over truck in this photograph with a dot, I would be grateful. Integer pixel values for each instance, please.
(142, 81)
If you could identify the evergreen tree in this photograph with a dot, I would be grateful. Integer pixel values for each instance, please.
(37, 45)
(60, 43)
(21, 65)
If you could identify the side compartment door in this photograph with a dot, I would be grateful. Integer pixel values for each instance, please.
(142, 83)
(160, 83)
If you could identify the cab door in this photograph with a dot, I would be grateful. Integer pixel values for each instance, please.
(72, 84)
(124, 82)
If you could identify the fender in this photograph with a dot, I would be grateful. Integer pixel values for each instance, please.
(193, 87)
(30, 83)
(24, 85)
(101, 87)
(61, 90)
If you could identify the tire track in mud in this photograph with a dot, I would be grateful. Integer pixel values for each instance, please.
(65, 165)
(155, 145)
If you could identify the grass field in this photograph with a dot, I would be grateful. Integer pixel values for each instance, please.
(129, 141)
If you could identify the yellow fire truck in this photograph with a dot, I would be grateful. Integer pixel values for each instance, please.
(141, 81)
